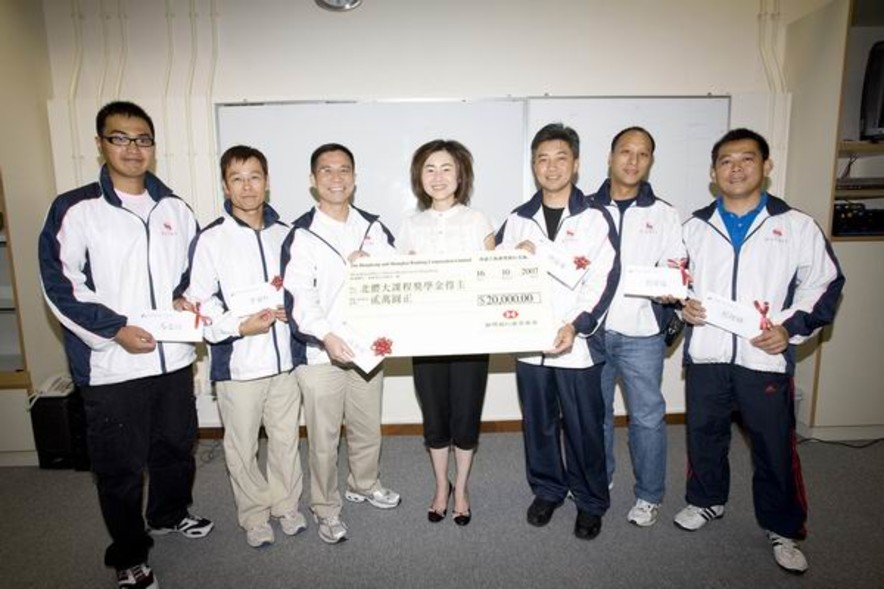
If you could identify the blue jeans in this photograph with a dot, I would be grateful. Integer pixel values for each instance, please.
(638, 362)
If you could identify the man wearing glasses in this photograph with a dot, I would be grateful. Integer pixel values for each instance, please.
(108, 251)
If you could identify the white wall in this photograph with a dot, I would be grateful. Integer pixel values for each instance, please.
(179, 63)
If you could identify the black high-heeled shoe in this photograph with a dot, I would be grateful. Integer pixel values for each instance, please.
(433, 516)
(462, 518)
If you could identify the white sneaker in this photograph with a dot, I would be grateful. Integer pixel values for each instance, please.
(381, 498)
(260, 535)
(787, 554)
(692, 518)
(292, 523)
(643, 513)
(332, 530)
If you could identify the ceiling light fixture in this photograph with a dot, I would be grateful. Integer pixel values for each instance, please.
(338, 5)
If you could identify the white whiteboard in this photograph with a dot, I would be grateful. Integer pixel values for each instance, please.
(383, 137)
(684, 130)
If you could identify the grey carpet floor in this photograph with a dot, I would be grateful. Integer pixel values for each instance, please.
(52, 534)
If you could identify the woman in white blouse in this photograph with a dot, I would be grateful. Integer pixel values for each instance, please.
(450, 389)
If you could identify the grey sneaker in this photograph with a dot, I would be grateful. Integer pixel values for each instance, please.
(381, 498)
(787, 554)
(292, 523)
(643, 513)
(692, 518)
(260, 535)
(332, 530)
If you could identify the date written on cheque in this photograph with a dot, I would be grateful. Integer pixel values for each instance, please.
(509, 298)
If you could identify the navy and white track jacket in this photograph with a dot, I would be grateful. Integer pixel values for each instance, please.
(585, 229)
(650, 235)
(226, 256)
(785, 262)
(100, 263)
(314, 259)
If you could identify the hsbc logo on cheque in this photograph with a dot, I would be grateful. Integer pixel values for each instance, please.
(510, 314)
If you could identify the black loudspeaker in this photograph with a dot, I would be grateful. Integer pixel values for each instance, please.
(60, 431)
(871, 112)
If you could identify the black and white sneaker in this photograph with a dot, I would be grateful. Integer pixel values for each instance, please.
(692, 518)
(190, 526)
(787, 554)
(138, 577)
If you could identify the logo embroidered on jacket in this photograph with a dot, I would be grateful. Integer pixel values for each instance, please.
(770, 389)
(777, 235)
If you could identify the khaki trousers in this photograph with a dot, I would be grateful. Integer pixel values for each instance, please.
(274, 401)
(332, 396)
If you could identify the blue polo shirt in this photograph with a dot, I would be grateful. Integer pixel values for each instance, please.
(738, 225)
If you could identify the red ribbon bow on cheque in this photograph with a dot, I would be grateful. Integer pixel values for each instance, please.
(763, 308)
(198, 317)
(382, 347)
(581, 262)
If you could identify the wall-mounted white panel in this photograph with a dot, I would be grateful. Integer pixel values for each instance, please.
(382, 137)
(684, 130)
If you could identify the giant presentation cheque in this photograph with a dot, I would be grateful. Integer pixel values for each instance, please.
(423, 305)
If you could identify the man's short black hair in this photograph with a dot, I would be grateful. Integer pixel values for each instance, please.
(241, 153)
(557, 132)
(326, 148)
(121, 107)
(630, 130)
(739, 135)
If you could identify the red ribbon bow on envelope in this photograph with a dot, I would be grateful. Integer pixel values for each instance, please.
(198, 317)
(763, 308)
(681, 264)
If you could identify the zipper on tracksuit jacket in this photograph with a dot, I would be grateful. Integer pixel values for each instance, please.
(153, 299)
(266, 279)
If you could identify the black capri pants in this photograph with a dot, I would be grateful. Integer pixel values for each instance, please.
(451, 392)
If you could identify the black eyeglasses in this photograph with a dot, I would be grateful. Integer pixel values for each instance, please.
(125, 141)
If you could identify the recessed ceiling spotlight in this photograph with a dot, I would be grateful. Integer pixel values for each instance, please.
(338, 5)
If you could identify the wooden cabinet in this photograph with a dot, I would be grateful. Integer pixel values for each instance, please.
(16, 435)
(13, 371)
(837, 377)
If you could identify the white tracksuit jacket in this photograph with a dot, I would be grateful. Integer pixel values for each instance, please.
(785, 261)
(100, 263)
(650, 235)
(585, 229)
(315, 264)
(228, 255)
